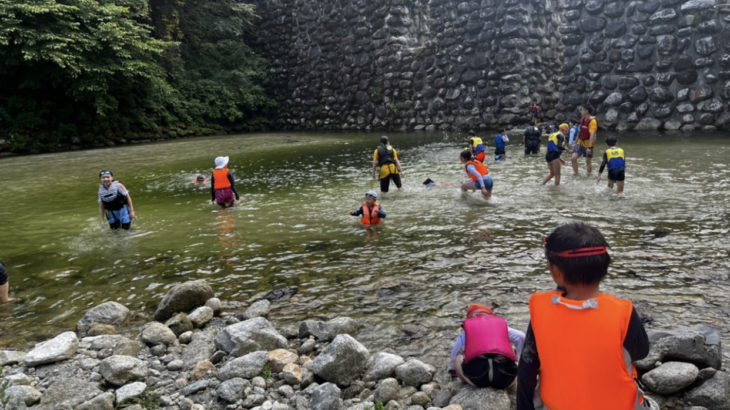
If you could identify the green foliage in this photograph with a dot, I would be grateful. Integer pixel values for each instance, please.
(265, 371)
(378, 406)
(149, 400)
(81, 72)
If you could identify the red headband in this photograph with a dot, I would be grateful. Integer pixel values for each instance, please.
(581, 252)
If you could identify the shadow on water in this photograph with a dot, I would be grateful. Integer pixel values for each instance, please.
(409, 283)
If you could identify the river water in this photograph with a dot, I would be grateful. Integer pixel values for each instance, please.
(409, 285)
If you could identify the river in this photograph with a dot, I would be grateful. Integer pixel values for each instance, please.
(409, 285)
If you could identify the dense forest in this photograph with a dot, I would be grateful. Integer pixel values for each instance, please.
(77, 73)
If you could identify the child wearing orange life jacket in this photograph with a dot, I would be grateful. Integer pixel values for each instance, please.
(479, 174)
(482, 355)
(580, 343)
(222, 184)
(370, 210)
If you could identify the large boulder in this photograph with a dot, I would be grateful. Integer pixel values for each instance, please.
(326, 397)
(155, 333)
(670, 377)
(382, 365)
(249, 336)
(713, 393)
(61, 347)
(119, 370)
(414, 372)
(481, 399)
(341, 361)
(183, 298)
(108, 313)
(698, 344)
(326, 331)
(246, 366)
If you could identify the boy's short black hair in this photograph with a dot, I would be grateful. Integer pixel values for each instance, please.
(611, 140)
(466, 155)
(470, 134)
(383, 139)
(586, 270)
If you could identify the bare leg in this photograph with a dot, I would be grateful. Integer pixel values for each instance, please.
(610, 184)
(574, 163)
(4, 298)
(550, 175)
(556, 170)
(620, 187)
(589, 166)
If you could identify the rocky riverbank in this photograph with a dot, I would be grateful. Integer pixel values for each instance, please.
(199, 353)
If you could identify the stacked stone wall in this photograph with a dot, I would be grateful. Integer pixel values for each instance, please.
(446, 64)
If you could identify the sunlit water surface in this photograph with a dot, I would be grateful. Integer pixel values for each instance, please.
(410, 285)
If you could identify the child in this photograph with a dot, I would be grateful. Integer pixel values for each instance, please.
(115, 203)
(476, 146)
(4, 285)
(199, 180)
(614, 157)
(222, 184)
(574, 129)
(370, 210)
(385, 158)
(479, 174)
(580, 342)
(482, 355)
(555, 147)
(499, 144)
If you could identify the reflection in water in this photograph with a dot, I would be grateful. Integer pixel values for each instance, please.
(410, 284)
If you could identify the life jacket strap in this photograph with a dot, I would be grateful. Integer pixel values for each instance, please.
(587, 304)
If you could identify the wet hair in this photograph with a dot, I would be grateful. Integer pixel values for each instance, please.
(502, 130)
(611, 140)
(572, 121)
(383, 140)
(466, 155)
(582, 270)
(588, 108)
(470, 134)
(200, 178)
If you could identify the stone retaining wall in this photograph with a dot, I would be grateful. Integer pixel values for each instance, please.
(445, 64)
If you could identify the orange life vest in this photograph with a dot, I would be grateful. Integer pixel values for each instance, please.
(583, 364)
(481, 169)
(584, 134)
(370, 216)
(220, 178)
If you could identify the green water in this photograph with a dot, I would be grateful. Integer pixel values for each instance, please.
(434, 254)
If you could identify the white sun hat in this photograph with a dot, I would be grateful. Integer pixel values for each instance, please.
(221, 162)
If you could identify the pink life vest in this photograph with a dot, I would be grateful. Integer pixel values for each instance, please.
(486, 335)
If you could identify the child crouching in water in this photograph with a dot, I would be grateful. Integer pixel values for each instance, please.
(580, 343)
(482, 355)
(222, 184)
(370, 210)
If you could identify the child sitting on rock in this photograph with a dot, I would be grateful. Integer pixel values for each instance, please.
(482, 355)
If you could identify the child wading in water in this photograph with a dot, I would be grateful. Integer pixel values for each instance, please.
(580, 342)
(616, 160)
(4, 285)
(370, 210)
(479, 174)
(555, 147)
(115, 203)
(222, 184)
(482, 355)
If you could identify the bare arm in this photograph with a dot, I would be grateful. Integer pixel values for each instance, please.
(129, 201)
(101, 214)
(375, 166)
(400, 168)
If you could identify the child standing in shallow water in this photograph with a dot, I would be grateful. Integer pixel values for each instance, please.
(4, 285)
(370, 210)
(616, 160)
(115, 203)
(222, 184)
(580, 342)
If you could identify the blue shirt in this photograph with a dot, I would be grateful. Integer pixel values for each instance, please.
(573, 134)
(499, 141)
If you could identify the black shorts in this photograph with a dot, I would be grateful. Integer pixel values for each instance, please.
(499, 151)
(552, 156)
(616, 174)
(494, 371)
(385, 182)
(532, 147)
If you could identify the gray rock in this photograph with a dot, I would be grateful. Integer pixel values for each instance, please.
(249, 336)
(326, 397)
(231, 390)
(695, 5)
(246, 366)
(441, 398)
(201, 316)
(614, 99)
(61, 347)
(107, 313)
(104, 401)
(8, 357)
(19, 379)
(215, 304)
(253, 400)
(326, 331)
(481, 399)
(414, 372)
(195, 387)
(183, 298)
(260, 308)
(713, 393)
(670, 377)
(699, 345)
(179, 323)
(382, 365)
(130, 391)
(119, 370)
(155, 333)
(26, 394)
(341, 361)
(201, 347)
(648, 124)
(387, 390)
(68, 392)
